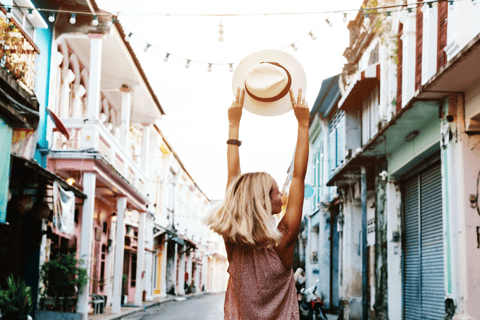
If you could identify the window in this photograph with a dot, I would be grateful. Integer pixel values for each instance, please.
(336, 140)
(370, 115)
(317, 175)
(170, 187)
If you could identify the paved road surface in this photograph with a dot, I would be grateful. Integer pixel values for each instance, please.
(202, 307)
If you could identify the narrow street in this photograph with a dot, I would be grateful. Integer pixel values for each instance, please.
(205, 307)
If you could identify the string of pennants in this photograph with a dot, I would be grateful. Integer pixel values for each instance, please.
(385, 11)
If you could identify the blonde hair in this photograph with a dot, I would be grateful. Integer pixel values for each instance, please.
(245, 215)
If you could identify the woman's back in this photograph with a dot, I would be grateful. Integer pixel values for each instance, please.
(259, 286)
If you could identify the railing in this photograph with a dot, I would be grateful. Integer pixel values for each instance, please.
(94, 135)
(17, 53)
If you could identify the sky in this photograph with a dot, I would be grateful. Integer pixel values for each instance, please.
(196, 101)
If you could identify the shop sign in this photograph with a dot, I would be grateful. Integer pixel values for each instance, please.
(63, 209)
(23, 142)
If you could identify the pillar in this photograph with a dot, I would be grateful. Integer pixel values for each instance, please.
(119, 247)
(190, 269)
(163, 269)
(93, 105)
(181, 271)
(141, 279)
(409, 48)
(89, 180)
(364, 243)
(429, 45)
(146, 149)
(125, 116)
(175, 266)
(77, 102)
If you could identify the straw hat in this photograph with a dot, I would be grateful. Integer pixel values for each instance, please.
(267, 77)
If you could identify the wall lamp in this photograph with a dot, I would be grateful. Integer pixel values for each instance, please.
(412, 135)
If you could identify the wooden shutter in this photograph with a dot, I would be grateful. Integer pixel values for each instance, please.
(399, 68)
(442, 34)
(418, 52)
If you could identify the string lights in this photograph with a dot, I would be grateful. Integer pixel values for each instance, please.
(385, 11)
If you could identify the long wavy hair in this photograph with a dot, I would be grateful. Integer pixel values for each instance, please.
(245, 215)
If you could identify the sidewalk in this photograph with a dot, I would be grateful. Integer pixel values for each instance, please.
(125, 311)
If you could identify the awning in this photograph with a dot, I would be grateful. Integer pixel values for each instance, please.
(58, 124)
(327, 97)
(32, 169)
(315, 219)
(359, 90)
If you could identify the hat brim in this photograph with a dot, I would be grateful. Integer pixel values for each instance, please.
(281, 106)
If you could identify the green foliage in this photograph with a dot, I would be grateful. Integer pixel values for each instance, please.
(124, 278)
(394, 55)
(63, 276)
(16, 300)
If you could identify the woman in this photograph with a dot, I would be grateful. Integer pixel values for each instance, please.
(260, 254)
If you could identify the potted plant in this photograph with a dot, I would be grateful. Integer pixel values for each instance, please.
(15, 301)
(63, 279)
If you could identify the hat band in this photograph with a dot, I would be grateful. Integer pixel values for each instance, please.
(278, 96)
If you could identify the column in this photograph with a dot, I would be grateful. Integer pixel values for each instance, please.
(190, 269)
(163, 269)
(181, 271)
(125, 115)
(113, 232)
(364, 243)
(408, 68)
(119, 247)
(93, 106)
(145, 148)
(89, 180)
(67, 78)
(429, 45)
(141, 279)
(174, 272)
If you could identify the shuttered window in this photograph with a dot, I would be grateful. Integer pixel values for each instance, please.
(336, 141)
(399, 68)
(418, 49)
(442, 34)
(423, 276)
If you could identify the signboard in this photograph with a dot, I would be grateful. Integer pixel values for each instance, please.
(63, 209)
(22, 142)
(5, 146)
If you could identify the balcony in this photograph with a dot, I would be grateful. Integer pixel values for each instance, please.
(17, 53)
(93, 135)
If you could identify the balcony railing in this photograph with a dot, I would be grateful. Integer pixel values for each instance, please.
(94, 135)
(17, 53)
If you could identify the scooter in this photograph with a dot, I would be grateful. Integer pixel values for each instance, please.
(311, 305)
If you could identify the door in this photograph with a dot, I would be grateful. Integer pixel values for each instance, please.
(423, 275)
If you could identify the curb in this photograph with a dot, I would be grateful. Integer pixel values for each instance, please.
(154, 305)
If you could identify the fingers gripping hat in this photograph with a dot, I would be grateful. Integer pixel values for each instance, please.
(267, 77)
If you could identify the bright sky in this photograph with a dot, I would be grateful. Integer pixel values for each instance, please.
(196, 101)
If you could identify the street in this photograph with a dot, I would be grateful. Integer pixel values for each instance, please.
(205, 307)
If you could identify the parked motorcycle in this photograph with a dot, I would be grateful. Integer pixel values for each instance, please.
(311, 305)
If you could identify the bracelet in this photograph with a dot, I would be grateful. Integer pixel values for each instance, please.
(234, 142)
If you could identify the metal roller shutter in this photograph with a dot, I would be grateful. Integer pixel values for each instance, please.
(423, 285)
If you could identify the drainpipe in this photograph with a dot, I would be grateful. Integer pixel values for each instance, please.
(364, 242)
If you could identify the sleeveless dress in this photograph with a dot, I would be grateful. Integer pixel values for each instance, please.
(259, 286)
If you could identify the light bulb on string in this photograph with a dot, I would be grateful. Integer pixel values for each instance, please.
(220, 32)
(389, 16)
(430, 5)
(30, 14)
(51, 18)
(9, 13)
(95, 20)
(209, 69)
(112, 21)
(146, 47)
(128, 36)
(220, 38)
(73, 19)
(410, 12)
(294, 47)
(451, 5)
(313, 36)
(166, 57)
(474, 2)
(187, 65)
(344, 17)
(367, 19)
(231, 67)
(330, 24)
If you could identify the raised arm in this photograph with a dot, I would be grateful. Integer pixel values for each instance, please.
(290, 223)
(234, 116)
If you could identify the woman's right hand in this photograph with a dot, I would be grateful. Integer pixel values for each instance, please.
(235, 110)
(300, 108)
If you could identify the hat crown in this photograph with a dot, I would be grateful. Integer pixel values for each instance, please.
(266, 80)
